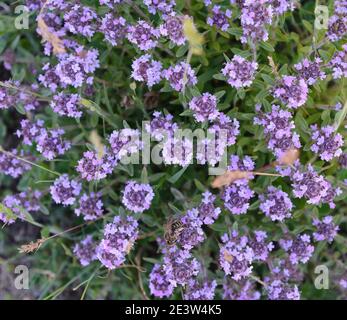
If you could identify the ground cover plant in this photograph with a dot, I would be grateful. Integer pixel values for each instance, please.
(173, 149)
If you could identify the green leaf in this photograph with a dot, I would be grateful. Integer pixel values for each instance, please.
(267, 46)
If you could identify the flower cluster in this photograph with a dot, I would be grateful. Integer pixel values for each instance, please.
(90, 206)
(65, 191)
(85, 251)
(325, 229)
(204, 290)
(192, 233)
(125, 143)
(180, 75)
(261, 248)
(163, 6)
(66, 105)
(161, 126)
(204, 107)
(159, 283)
(225, 129)
(299, 249)
(137, 197)
(173, 29)
(219, 18)
(143, 35)
(113, 28)
(239, 290)
(310, 71)
(11, 165)
(178, 151)
(208, 213)
(338, 63)
(147, 70)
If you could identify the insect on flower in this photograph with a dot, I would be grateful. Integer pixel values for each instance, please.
(172, 231)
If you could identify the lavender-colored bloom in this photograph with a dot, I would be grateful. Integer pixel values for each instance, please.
(204, 290)
(180, 75)
(114, 29)
(239, 290)
(338, 63)
(159, 283)
(125, 143)
(326, 143)
(85, 251)
(66, 105)
(180, 266)
(8, 94)
(225, 129)
(178, 151)
(276, 204)
(29, 201)
(210, 151)
(325, 229)
(236, 197)
(192, 233)
(343, 160)
(331, 194)
(50, 78)
(50, 143)
(147, 70)
(137, 197)
(143, 35)
(173, 29)
(163, 6)
(299, 248)
(340, 7)
(261, 248)
(161, 126)
(208, 213)
(12, 166)
(28, 101)
(119, 238)
(291, 91)
(110, 3)
(310, 71)
(80, 19)
(279, 290)
(219, 18)
(236, 256)
(9, 58)
(65, 191)
(34, 4)
(29, 131)
(254, 18)
(204, 107)
(337, 27)
(90, 206)
(240, 72)
(93, 166)
(281, 6)
(245, 164)
(284, 270)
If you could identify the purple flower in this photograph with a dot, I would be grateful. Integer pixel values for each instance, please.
(261, 248)
(236, 256)
(299, 248)
(12, 166)
(85, 251)
(240, 72)
(310, 71)
(178, 151)
(119, 238)
(192, 233)
(284, 270)
(326, 143)
(180, 266)
(276, 204)
(90, 206)
(210, 151)
(34, 4)
(338, 63)
(147, 70)
(50, 78)
(245, 164)
(66, 105)
(325, 229)
(114, 29)
(204, 107)
(239, 290)
(164, 6)
(93, 166)
(159, 283)
(137, 197)
(65, 191)
(343, 160)
(219, 18)
(204, 290)
(173, 29)
(291, 91)
(9, 94)
(279, 290)
(143, 35)
(9, 58)
(225, 129)
(282, 6)
(29, 131)
(340, 7)
(161, 126)
(236, 197)
(337, 27)
(110, 3)
(180, 75)
(208, 213)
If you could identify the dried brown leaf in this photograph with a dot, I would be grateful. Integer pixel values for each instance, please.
(48, 36)
(32, 246)
(289, 157)
(229, 177)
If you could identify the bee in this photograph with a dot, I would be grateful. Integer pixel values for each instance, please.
(172, 231)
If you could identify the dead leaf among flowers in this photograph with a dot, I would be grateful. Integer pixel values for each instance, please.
(32, 246)
(229, 177)
(228, 257)
(289, 157)
(48, 36)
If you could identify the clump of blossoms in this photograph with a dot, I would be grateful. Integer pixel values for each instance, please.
(161, 126)
(338, 63)
(163, 6)
(180, 75)
(19, 204)
(85, 251)
(137, 197)
(210, 151)
(337, 27)
(110, 3)
(291, 91)
(236, 256)
(113, 28)
(310, 71)
(343, 160)
(143, 35)
(276, 204)
(204, 107)
(8, 94)
(147, 70)
(326, 143)
(12, 166)
(178, 151)
(261, 248)
(219, 18)
(207, 211)
(325, 229)
(200, 290)
(125, 142)
(299, 249)
(49, 79)
(66, 105)
(90, 206)
(173, 29)
(159, 284)
(192, 233)
(240, 72)
(29, 130)
(280, 290)
(239, 290)
(64, 191)
(225, 129)
(180, 266)
(119, 238)
(281, 6)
